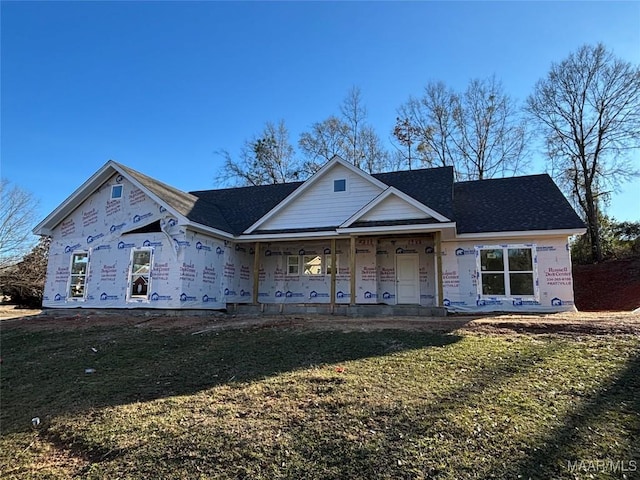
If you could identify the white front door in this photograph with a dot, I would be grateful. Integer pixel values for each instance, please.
(407, 279)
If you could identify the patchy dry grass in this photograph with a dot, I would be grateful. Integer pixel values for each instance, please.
(296, 403)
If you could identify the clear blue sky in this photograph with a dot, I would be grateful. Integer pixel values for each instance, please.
(160, 86)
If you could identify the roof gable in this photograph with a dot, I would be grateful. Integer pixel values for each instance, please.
(432, 187)
(393, 205)
(188, 208)
(317, 203)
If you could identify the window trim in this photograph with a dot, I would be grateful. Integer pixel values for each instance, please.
(113, 189)
(287, 272)
(304, 262)
(85, 276)
(335, 182)
(327, 261)
(139, 298)
(506, 271)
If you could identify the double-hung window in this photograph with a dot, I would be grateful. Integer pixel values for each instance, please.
(293, 265)
(140, 274)
(79, 271)
(507, 271)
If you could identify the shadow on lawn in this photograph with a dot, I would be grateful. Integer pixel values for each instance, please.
(558, 456)
(384, 454)
(334, 451)
(43, 373)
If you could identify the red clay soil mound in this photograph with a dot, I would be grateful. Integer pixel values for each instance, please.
(610, 286)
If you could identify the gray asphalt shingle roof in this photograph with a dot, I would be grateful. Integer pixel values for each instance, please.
(243, 206)
(432, 187)
(497, 205)
(512, 204)
(191, 206)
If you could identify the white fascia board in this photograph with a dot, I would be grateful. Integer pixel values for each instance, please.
(182, 220)
(413, 228)
(400, 194)
(520, 234)
(198, 227)
(94, 182)
(336, 160)
(286, 236)
(73, 201)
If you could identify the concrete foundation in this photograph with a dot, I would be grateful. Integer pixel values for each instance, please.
(340, 310)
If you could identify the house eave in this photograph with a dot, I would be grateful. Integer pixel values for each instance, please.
(198, 227)
(272, 237)
(566, 232)
(73, 201)
(412, 228)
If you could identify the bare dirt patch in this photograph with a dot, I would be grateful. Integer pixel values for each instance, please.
(578, 323)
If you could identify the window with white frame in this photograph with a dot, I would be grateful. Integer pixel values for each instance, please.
(329, 267)
(312, 264)
(140, 273)
(293, 265)
(507, 270)
(340, 185)
(116, 192)
(79, 271)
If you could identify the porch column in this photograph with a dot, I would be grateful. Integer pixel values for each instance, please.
(256, 271)
(352, 272)
(438, 265)
(333, 274)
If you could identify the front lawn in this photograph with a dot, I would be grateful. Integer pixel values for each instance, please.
(294, 403)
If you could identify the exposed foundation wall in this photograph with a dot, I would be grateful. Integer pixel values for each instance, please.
(553, 273)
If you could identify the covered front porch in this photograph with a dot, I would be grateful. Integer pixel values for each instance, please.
(336, 272)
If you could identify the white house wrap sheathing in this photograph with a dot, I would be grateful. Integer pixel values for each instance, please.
(375, 271)
(189, 270)
(552, 267)
(130, 249)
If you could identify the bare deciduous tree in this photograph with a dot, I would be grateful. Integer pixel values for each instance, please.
(354, 114)
(17, 218)
(325, 140)
(431, 118)
(408, 135)
(588, 109)
(480, 132)
(348, 136)
(266, 159)
(490, 136)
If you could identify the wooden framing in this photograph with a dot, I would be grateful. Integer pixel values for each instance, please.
(256, 272)
(333, 273)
